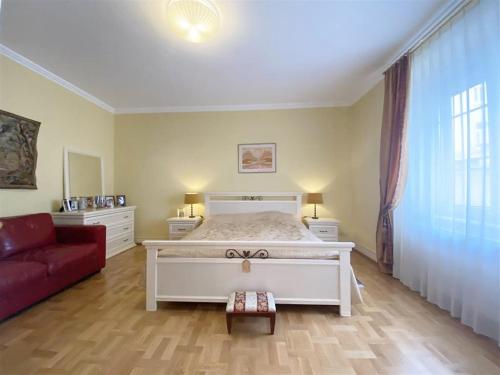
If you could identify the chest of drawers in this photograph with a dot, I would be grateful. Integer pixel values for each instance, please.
(119, 224)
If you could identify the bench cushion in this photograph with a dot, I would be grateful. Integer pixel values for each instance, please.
(250, 302)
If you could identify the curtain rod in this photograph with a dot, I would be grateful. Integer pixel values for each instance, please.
(446, 13)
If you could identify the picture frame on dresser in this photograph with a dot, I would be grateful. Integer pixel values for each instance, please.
(121, 200)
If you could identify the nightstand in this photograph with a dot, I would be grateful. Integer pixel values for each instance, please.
(178, 227)
(325, 228)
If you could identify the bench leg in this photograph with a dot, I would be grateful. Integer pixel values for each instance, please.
(272, 321)
(229, 321)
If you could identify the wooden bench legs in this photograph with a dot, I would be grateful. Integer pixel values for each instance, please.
(270, 315)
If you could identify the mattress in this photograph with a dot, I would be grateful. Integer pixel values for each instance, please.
(263, 226)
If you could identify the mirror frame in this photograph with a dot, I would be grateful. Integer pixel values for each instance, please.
(66, 182)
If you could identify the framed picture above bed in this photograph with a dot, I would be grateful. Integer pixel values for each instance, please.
(257, 158)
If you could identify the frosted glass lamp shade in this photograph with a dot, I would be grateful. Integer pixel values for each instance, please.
(193, 20)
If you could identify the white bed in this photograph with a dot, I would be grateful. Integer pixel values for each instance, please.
(265, 228)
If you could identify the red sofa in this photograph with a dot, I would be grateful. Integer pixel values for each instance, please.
(38, 259)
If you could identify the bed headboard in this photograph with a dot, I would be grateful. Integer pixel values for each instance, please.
(249, 202)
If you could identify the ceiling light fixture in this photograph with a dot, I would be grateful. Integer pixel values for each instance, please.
(193, 20)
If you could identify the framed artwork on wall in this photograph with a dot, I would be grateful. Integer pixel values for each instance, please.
(18, 153)
(257, 158)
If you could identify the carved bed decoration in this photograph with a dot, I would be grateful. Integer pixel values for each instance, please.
(253, 198)
(18, 153)
(261, 253)
(247, 254)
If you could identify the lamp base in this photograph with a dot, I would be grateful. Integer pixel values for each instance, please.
(315, 217)
(191, 217)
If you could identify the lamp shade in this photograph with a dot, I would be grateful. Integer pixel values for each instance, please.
(315, 198)
(192, 198)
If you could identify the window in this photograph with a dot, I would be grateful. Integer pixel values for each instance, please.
(472, 147)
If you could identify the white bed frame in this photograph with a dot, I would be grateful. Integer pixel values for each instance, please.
(292, 281)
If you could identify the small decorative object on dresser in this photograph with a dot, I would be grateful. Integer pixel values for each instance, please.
(178, 227)
(73, 203)
(82, 203)
(67, 205)
(326, 229)
(121, 200)
(90, 202)
(119, 224)
(110, 201)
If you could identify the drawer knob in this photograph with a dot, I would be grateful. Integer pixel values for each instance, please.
(181, 229)
(125, 217)
(125, 240)
(96, 222)
(126, 228)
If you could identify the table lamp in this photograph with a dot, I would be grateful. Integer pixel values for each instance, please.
(192, 198)
(315, 198)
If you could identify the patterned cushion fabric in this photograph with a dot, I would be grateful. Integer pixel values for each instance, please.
(241, 302)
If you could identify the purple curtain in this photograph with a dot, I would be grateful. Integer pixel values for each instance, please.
(392, 151)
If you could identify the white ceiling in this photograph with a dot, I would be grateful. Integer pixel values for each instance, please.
(269, 54)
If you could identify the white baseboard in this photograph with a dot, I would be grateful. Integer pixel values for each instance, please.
(366, 252)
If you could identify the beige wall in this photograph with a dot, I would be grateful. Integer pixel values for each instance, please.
(160, 156)
(155, 158)
(67, 120)
(366, 124)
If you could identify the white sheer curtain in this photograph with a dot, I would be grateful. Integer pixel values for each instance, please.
(447, 226)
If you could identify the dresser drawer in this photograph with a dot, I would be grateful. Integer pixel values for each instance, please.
(110, 218)
(325, 231)
(181, 228)
(116, 230)
(119, 242)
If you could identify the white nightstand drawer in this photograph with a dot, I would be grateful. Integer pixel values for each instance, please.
(324, 231)
(178, 227)
(181, 228)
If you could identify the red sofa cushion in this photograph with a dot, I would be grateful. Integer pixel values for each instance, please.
(20, 233)
(15, 276)
(61, 257)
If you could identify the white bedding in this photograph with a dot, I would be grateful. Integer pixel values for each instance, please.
(264, 226)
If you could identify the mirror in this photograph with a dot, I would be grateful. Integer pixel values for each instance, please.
(83, 174)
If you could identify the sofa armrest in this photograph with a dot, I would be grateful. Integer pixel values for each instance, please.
(84, 234)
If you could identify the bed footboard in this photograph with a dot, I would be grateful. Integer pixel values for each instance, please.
(292, 281)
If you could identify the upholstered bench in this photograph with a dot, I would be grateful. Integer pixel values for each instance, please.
(257, 304)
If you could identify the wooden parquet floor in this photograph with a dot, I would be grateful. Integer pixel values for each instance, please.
(99, 326)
